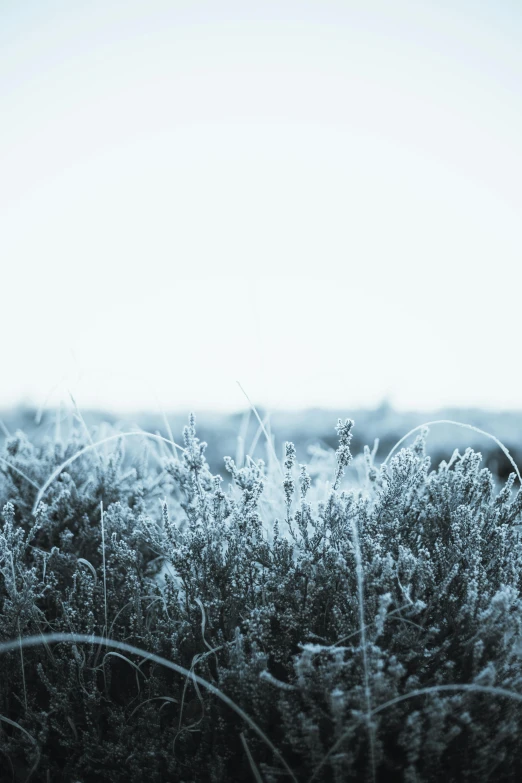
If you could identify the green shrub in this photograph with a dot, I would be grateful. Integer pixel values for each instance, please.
(289, 627)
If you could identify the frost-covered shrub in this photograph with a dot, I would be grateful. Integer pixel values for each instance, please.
(370, 628)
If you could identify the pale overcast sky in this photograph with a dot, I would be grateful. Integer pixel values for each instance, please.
(320, 199)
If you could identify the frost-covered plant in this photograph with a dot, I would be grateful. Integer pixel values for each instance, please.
(368, 630)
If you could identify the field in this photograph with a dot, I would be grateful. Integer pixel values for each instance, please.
(294, 601)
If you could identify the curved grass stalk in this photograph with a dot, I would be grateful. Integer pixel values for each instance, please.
(129, 603)
(165, 699)
(72, 638)
(20, 473)
(203, 623)
(104, 570)
(21, 728)
(195, 660)
(22, 666)
(90, 567)
(257, 435)
(253, 766)
(123, 658)
(167, 426)
(362, 626)
(465, 426)
(263, 428)
(92, 446)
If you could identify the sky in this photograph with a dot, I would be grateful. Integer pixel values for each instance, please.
(319, 199)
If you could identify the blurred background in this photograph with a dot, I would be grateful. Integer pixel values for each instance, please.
(317, 198)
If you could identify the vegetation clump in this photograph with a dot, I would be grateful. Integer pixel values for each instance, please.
(160, 624)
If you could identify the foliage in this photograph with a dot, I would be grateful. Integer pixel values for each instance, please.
(336, 610)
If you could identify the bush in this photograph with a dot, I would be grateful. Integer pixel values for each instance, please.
(158, 626)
